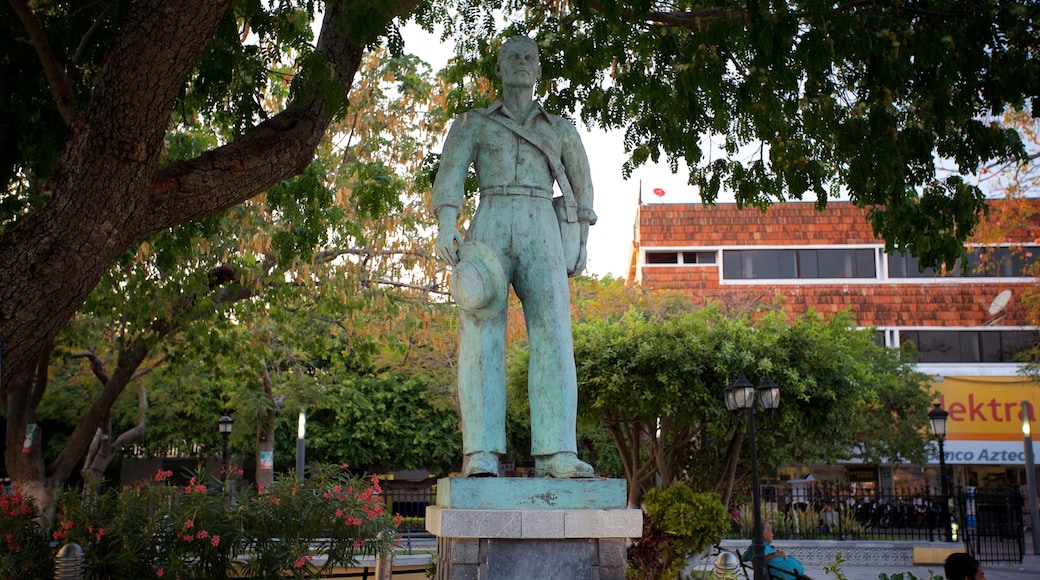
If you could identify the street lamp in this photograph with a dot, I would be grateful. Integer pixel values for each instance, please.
(301, 443)
(1027, 442)
(740, 396)
(937, 417)
(225, 424)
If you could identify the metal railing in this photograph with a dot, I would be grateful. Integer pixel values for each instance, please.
(842, 513)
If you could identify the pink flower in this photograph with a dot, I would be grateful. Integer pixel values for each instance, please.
(202, 534)
(160, 572)
(189, 523)
(300, 562)
(215, 540)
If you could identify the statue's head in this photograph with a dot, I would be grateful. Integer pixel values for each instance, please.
(518, 62)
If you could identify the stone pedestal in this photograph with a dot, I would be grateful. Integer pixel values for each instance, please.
(520, 528)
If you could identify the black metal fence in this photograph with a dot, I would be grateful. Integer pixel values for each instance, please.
(843, 513)
(409, 500)
(992, 523)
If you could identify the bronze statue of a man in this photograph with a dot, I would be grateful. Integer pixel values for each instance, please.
(519, 235)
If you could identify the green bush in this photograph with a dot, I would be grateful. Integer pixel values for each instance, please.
(679, 523)
(25, 551)
(211, 529)
(804, 524)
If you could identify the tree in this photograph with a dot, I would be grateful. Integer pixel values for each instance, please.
(93, 186)
(172, 298)
(774, 100)
(656, 384)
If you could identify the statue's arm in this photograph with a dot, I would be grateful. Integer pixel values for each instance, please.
(449, 186)
(579, 174)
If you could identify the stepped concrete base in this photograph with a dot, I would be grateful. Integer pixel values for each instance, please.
(533, 539)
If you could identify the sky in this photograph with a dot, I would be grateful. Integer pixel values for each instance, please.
(616, 199)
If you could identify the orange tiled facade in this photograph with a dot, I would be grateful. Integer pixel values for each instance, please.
(918, 302)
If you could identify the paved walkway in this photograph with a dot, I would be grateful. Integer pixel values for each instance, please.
(1029, 568)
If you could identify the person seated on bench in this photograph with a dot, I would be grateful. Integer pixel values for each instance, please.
(961, 566)
(780, 565)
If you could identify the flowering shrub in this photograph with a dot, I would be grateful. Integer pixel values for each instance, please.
(210, 529)
(24, 549)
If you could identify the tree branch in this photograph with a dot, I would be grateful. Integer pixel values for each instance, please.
(97, 366)
(58, 81)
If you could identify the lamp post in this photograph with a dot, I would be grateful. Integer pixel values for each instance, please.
(1027, 442)
(301, 444)
(937, 417)
(225, 424)
(740, 396)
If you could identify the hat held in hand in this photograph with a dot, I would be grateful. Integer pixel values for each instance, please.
(478, 282)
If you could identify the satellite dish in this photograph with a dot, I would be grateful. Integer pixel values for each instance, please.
(999, 303)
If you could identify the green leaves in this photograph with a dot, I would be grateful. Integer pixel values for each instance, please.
(782, 99)
(656, 383)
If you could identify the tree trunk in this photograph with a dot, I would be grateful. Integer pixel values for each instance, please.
(104, 449)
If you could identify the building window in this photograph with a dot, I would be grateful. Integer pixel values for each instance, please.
(698, 257)
(685, 258)
(967, 346)
(798, 263)
(662, 257)
(982, 263)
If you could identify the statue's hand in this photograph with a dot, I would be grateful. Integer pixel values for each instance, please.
(583, 256)
(448, 240)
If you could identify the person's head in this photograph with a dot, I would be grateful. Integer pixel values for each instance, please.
(961, 566)
(518, 63)
(767, 533)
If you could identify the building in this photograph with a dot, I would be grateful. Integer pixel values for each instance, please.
(967, 327)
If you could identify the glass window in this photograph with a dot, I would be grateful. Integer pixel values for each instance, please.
(802, 263)
(807, 266)
(1016, 341)
(960, 346)
(906, 266)
(698, 257)
(982, 263)
(662, 258)
(731, 265)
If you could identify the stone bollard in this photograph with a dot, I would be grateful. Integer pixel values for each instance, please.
(68, 563)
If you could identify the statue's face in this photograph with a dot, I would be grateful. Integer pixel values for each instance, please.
(518, 65)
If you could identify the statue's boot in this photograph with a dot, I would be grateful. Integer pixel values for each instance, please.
(562, 466)
(481, 464)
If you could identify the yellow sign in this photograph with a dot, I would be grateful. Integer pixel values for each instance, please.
(986, 408)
